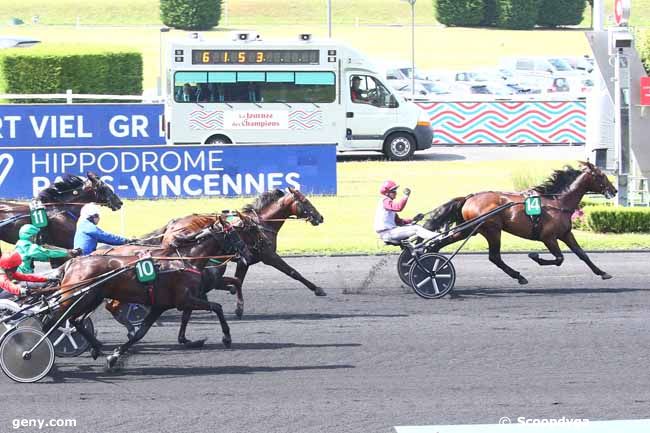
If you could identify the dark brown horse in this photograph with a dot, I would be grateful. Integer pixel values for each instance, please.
(179, 284)
(270, 211)
(63, 201)
(560, 197)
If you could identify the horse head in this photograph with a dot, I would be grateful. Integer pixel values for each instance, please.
(301, 207)
(99, 192)
(598, 181)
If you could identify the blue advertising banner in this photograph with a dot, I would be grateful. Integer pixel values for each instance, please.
(175, 171)
(66, 125)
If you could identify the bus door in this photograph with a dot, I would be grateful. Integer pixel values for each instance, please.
(370, 111)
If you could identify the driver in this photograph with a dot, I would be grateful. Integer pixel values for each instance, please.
(355, 91)
(388, 225)
(88, 233)
(9, 271)
(30, 251)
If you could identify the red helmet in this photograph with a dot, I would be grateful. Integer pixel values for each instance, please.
(10, 261)
(387, 187)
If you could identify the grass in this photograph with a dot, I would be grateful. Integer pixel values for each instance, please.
(349, 216)
(252, 12)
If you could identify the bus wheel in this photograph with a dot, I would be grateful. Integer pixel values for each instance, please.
(399, 147)
(218, 139)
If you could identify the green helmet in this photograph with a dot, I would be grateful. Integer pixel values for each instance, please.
(27, 231)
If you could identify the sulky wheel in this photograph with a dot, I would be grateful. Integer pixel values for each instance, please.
(136, 313)
(68, 342)
(8, 308)
(20, 365)
(404, 262)
(434, 278)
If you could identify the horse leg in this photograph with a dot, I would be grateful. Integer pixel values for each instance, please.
(272, 259)
(202, 304)
(187, 313)
(493, 236)
(554, 249)
(240, 274)
(234, 284)
(95, 344)
(153, 315)
(118, 311)
(571, 242)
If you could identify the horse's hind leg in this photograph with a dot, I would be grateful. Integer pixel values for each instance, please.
(187, 313)
(493, 236)
(95, 344)
(554, 249)
(153, 315)
(571, 242)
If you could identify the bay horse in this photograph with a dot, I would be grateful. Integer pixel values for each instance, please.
(560, 197)
(63, 201)
(179, 284)
(270, 211)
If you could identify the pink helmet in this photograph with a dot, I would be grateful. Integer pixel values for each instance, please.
(387, 187)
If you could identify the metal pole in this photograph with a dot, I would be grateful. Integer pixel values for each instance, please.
(412, 47)
(622, 124)
(329, 18)
(161, 60)
(597, 15)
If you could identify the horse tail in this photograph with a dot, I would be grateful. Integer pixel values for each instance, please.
(446, 214)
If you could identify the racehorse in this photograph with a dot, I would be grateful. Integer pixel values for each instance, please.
(63, 201)
(270, 210)
(178, 284)
(560, 197)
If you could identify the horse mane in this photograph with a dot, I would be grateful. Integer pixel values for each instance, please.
(56, 191)
(264, 200)
(559, 181)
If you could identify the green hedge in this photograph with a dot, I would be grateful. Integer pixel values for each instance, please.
(489, 13)
(517, 14)
(459, 12)
(554, 13)
(48, 69)
(190, 14)
(609, 219)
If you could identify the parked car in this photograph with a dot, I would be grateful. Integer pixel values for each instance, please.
(17, 42)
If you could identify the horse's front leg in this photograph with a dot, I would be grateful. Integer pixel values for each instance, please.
(272, 259)
(571, 242)
(493, 237)
(153, 315)
(195, 303)
(240, 274)
(554, 249)
(185, 319)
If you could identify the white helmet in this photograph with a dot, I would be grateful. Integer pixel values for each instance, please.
(89, 210)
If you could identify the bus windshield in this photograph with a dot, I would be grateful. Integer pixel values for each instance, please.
(254, 86)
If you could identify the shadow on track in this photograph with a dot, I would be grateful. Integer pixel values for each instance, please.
(498, 293)
(176, 317)
(98, 374)
(154, 348)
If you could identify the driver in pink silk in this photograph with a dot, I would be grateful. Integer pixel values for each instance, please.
(388, 225)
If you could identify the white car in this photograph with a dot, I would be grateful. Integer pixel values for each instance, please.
(17, 42)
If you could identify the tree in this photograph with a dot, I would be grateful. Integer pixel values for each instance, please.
(553, 13)
(466, 13)
(190, 14)
(517, 14)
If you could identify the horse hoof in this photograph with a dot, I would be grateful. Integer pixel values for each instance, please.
(95, 353)
(319, 292)
(605, 276)
(232, 288)
(533, 256)
(227, 341)
(522, 280)
(189, 344)
(111, 360)
(239, 311)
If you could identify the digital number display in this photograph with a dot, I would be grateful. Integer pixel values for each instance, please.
(255, 57)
